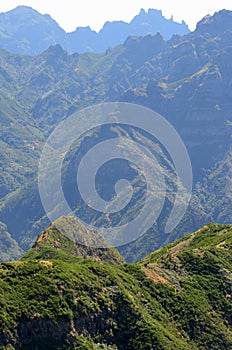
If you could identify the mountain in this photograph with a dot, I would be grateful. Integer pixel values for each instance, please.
(115, 33)
(9, 248)
(177, 298)
(75, 240)
(20, 143)
(25, 31)
(213, 26)
(187, 79)
(214, 192)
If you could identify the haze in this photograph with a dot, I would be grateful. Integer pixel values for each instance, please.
(71, 14)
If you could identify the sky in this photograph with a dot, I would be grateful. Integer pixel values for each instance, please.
(71, 14)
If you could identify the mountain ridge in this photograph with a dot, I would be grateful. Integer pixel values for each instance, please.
(26, 31)
(69, 236)
(187, 80)
(178, 297)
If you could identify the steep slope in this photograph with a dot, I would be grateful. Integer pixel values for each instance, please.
(214, 193)
(176, 298)
(9, 248)
(187, 79)
(20, 142)
(25, 31)
(213, 26)
(70, 237)
(115, 33)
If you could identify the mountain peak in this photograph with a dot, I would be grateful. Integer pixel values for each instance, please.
(21, 8)
(67, 238)
(26, 31)
(21, 11)
(215, 25)
(180, 299)
(56, 50)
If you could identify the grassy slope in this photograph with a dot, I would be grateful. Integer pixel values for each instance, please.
(177, 298)
(76, 240)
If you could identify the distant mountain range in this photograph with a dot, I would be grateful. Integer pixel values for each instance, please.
(25, 31)
(187, 79)
(67, 287)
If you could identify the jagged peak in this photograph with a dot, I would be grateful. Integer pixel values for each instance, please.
(54, 53)
(57, 48)
(216, 24)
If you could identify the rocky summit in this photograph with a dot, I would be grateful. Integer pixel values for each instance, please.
(69, 237)
(178, 297)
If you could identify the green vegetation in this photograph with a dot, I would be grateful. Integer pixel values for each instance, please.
(187, 80)
(66, 292)
(75, 240)
(177, 298)
(9, 249)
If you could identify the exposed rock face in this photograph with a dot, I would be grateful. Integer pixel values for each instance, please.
(191, 87)
(70, 237)
(186, 79)
(213, 26)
